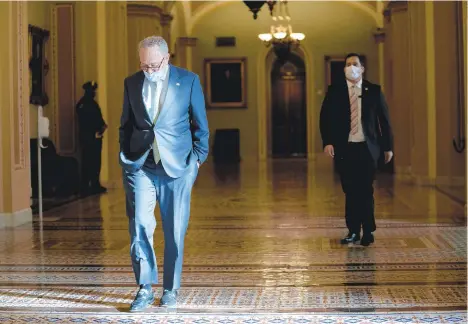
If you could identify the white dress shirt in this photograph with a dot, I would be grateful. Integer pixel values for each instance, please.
(151, 97)
(359, 136)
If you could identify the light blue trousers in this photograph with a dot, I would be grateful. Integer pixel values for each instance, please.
(143, 190)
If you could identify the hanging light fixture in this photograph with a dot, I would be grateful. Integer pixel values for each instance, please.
(281, 35)
(271, 5)
(254, 7)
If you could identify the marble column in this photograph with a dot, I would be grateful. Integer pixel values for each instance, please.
(143, 20)
(166, 20)
(112, 68)
(184, 51)
(422, 88)
(15, 184)
(397, 83)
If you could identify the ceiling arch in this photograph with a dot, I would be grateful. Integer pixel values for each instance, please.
(183, 11)
(210, 6)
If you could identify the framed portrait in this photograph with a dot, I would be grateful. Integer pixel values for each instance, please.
(38, 65)
(334, 69)
(225, 82)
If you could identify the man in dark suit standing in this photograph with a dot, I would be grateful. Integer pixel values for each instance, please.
(92, 128)
(355, 127)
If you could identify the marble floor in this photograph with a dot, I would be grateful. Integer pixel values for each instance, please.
(262, 247)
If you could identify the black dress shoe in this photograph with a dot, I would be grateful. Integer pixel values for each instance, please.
(169, 298)
(350, 238)
(143, 299)
(367, 239)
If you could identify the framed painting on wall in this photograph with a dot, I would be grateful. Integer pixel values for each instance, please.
(38, 65)
(334, 69)
(225, 82)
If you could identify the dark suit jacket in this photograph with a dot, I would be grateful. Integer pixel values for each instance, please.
(89, 119)
(181, 129)
(335, 119)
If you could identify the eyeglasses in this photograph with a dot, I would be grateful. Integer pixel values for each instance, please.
(152, 67)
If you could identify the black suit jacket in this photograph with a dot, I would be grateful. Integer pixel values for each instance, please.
(136, 130)
(335, 119)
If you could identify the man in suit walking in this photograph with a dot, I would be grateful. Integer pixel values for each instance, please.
(355, 127)
(163, 139)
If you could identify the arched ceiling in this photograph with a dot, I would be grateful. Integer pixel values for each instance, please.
(196, 10)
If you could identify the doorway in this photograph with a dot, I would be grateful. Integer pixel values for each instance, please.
(288, 108)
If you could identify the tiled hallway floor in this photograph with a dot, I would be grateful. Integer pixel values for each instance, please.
(262, 247)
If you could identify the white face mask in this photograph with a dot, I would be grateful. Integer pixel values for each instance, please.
(153, 77)
(353, 72)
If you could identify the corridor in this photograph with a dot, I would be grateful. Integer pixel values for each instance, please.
(262, 247)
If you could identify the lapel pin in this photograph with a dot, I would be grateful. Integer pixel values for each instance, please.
(366, 89)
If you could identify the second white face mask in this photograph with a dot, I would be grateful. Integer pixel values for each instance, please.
(352, 72)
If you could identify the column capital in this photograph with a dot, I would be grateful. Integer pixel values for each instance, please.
(166, 19)
(379, 36)
(394, 7)
(183, 51)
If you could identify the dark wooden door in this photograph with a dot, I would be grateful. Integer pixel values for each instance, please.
(289, 126)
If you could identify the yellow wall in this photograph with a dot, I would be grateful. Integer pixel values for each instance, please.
(397, 85)
(449, 162)
(419, 96)
(421, 76)
(351, 29)
(139, 27)
(86, 43)
(5, 149)
(112, 68)
(40, 14)
(14, 111)
(177, 25)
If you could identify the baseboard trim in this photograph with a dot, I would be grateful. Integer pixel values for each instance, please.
(423, 180)
(452, 196)
(439, 181)
(16, 219)
(404, 173)
(451, 181)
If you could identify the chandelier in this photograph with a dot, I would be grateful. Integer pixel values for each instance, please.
(281, 35)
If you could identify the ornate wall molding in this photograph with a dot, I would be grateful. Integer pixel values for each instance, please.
(63, 77)
(54, 73)
(20, 77)
(180, 49)
(134, 9)
(394, 7)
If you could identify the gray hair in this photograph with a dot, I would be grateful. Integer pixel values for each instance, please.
(154, 41)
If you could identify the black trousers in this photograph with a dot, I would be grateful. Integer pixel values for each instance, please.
(357, 172)
(91, 165)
